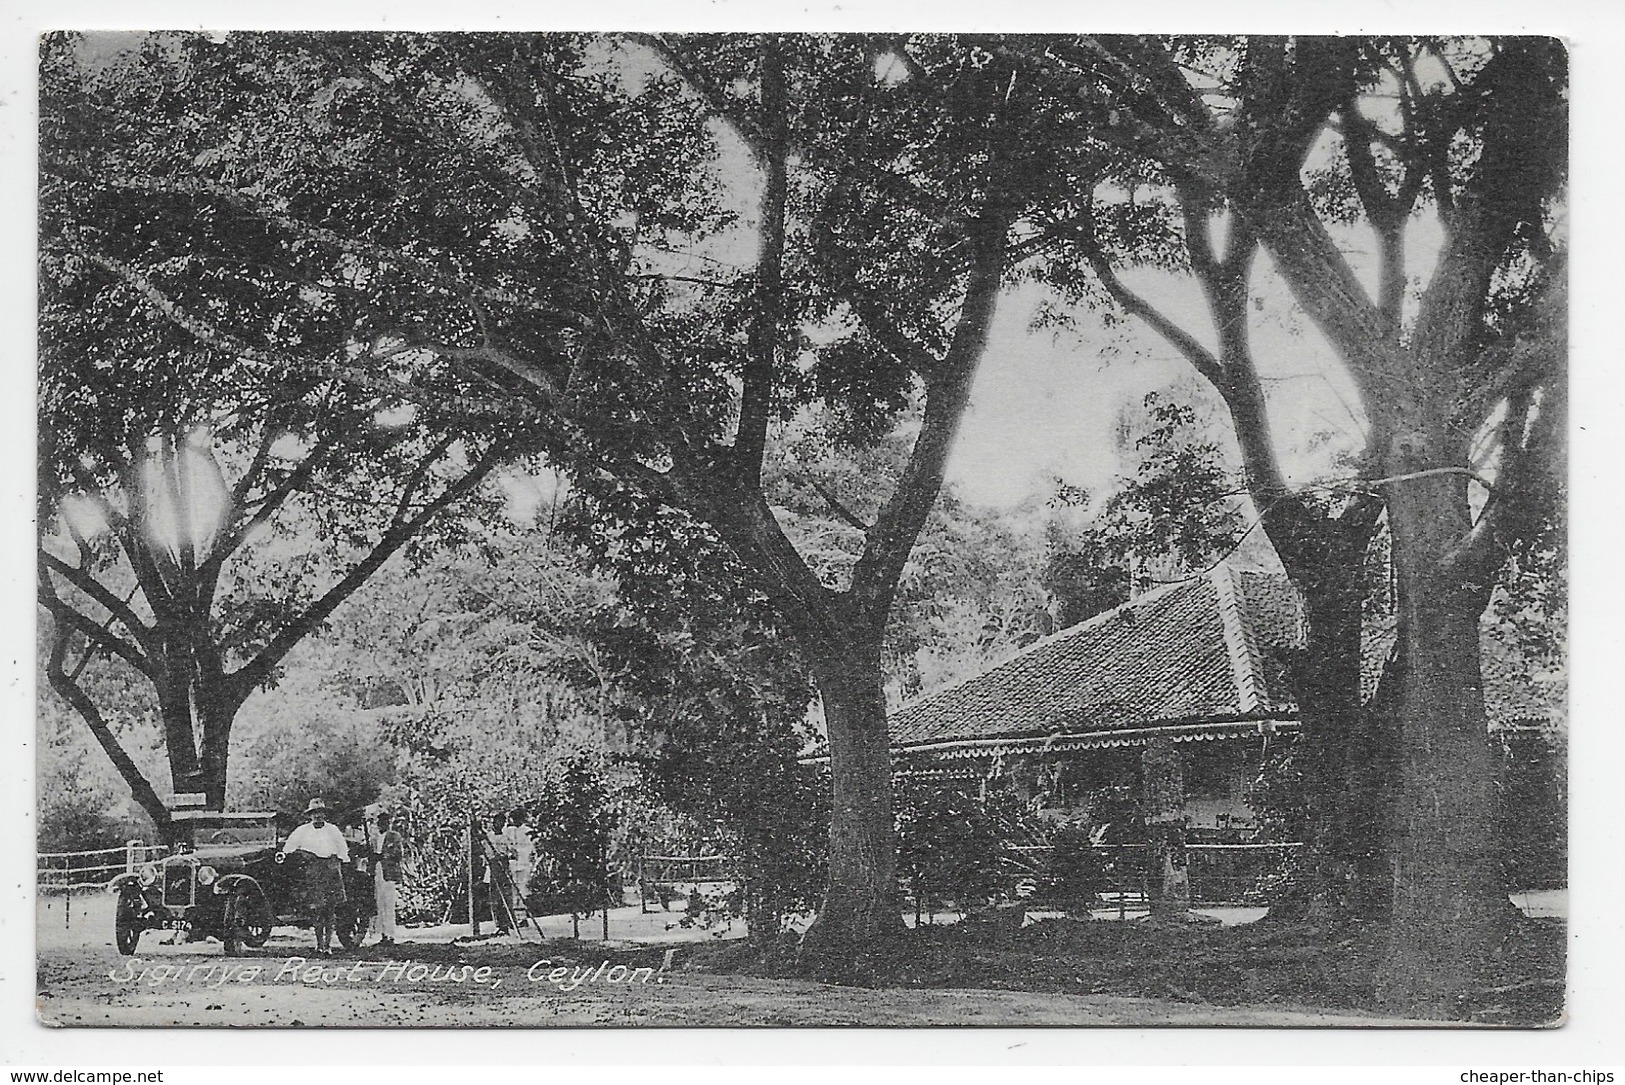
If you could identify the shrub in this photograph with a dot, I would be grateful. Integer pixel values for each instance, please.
(1076, 872)
(948, 843)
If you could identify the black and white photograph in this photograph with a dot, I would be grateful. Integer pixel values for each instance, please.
(633, 529)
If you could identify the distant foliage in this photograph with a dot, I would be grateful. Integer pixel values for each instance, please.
(1531, 605)
(81, 802)
(301, 741)
(1180, 501)
(1173, 512)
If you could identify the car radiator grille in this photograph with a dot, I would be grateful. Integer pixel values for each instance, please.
(178, 884)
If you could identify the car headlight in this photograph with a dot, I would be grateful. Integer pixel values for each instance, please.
(149, 875)
(206, 875)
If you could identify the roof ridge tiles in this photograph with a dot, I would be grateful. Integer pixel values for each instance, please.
(1238, 640)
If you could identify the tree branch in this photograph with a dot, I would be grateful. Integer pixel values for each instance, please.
(423, 269)
(766, 329)
(835, 504)
(70, 690)
(267, 507)
(897, 525)
(409, 488)
(205, 332)
(730, 110)
(1200, 358)
(255, 673)
(86, 581)
(97, 634)
(1532, 433)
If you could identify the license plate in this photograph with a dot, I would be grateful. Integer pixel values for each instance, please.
(173, 924)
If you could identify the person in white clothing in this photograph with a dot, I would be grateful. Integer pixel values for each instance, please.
(323, 851)
(520, 850)
(386, 877)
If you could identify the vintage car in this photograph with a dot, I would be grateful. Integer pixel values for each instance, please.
(222, 880)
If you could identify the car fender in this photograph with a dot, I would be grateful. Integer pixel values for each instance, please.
(125, 883)
(238, 883)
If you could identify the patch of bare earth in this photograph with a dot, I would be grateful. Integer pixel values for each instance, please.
(1299, 968)
(1051, 973)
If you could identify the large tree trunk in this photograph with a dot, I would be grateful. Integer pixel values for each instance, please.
(216, 720)
(1324, 555)
(1372, 756)
(1345, 872)
(180, 736)
(860, 910)
(1449, 904)
(197, 738)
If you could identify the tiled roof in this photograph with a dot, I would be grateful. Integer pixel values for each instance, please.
(1201, 649)
(1209, 649)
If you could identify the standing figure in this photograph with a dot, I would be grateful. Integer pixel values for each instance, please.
(386, 877)
(493, 850)
(521, 852)
(321, 882)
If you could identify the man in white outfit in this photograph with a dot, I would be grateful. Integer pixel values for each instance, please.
(520, 850)
(321, 877)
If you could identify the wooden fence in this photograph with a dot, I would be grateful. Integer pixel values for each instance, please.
(64, 871)
(1219, 873)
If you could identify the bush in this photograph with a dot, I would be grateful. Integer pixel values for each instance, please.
(573, 823)
(949, 843)
(754, 801)
(1076, 871)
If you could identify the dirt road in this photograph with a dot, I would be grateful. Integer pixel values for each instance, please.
(82, 981)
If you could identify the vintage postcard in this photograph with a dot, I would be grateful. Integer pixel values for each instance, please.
(801, 529)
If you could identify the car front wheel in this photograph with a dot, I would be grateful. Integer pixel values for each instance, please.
(257, 930)
(235, 923)
(127, 925)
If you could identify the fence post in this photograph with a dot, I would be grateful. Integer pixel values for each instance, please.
(612, 881)
(473, 915)
(1122, 890)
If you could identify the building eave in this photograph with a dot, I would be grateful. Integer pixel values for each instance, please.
(1209, 730)
(1204, 731)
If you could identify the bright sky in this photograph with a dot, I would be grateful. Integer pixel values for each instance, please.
(1045, 404)
(1046, 401)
